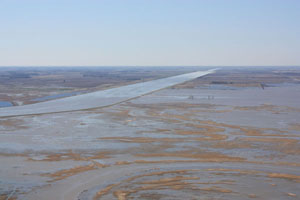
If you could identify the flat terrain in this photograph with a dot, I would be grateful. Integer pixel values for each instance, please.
(233, 134)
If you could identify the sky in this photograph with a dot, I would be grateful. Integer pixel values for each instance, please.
(149, 32)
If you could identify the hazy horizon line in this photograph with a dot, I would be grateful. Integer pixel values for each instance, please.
(149, 65)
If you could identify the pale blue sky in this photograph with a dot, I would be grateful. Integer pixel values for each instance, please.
(149, 32)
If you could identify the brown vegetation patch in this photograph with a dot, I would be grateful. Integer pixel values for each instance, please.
(122, 194)
(204, 156)
(175, 183)
(168, 180)
(283, 145)
(216, 189)
(72, 156)
(235, 144)
(294, 127)
(266, 107)
(172, 183)
(123, 163)
(291, 194)
(271, 140)
(65, 173)
(105, 191)
(240, 171)
(252, 195)
(285, 176)
(142, 139)
(208, 131)
(13, 154)
(12, 123)
(7, 197)
(249, 131)
(121, 113)
(289, 164)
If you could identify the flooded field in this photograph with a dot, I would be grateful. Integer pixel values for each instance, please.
(230, 135)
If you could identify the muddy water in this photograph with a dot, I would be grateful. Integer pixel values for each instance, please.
(241, 144)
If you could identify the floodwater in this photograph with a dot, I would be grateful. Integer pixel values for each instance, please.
(241, 144)
(5, 104)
